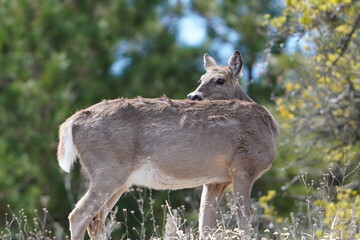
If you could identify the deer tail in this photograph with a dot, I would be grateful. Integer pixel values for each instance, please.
(66, 152)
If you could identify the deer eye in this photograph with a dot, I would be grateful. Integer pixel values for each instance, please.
(220, 81)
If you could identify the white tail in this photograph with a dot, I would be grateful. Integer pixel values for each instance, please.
(171, 144)
(66, 150)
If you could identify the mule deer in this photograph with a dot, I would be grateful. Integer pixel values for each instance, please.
(170, 144)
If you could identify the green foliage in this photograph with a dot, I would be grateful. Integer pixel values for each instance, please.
(328, 209)
(324, 99)
(319, 112)
(55, 58)
(239, 24)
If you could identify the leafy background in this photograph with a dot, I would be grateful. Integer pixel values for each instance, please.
(301, 61)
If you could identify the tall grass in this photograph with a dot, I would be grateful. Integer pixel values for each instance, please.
(328, 210)
(18, 226)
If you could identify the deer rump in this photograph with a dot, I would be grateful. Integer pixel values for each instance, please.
(168, 144)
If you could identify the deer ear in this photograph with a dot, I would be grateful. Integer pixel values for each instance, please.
(235, 64)
(209, 61)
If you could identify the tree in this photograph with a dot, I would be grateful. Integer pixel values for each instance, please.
(240, 24)
(324, 101)
(55, 58)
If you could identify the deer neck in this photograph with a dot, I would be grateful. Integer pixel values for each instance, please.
(240, 94)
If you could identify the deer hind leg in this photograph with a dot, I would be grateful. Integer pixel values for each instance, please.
(84, 212)
(102, 188)
(242, 185)
(96, 226)
(210, 199)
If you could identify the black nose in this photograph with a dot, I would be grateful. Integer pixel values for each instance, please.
(195, 97)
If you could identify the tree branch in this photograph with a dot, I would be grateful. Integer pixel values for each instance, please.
(345, 42)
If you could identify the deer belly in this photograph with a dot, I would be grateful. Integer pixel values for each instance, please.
(148, 176)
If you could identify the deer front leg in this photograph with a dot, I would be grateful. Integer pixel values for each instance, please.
(210, 199)
(242, 185)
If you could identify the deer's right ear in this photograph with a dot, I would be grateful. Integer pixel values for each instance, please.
(235, 64)
(209, 61)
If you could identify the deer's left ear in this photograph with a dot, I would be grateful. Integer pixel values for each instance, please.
(235, 64)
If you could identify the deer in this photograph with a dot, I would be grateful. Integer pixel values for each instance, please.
(171, 144)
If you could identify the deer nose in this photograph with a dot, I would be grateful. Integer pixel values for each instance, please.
(194, 97)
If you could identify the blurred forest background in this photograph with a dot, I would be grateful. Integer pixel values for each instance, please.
(301, 61)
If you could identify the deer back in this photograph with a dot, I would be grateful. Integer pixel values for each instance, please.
(186, 143)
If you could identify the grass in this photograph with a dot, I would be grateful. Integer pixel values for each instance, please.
(18, 226)
(329, 210)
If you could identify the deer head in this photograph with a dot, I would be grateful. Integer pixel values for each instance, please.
(220, 82)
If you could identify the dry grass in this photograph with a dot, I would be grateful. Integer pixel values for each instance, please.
(330, 210)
